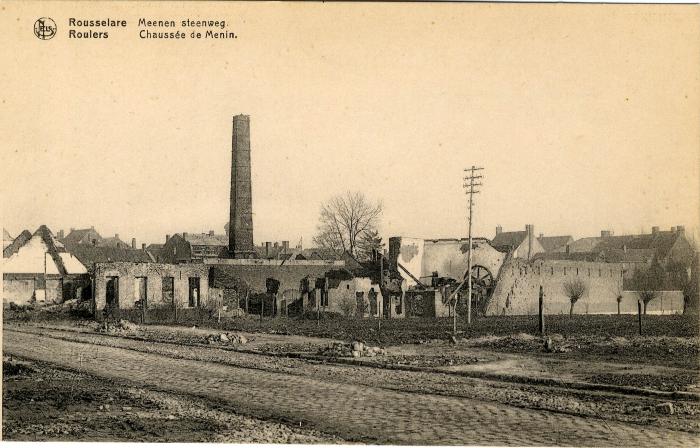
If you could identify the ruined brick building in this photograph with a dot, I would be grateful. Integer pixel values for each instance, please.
(507, 273)
(509, 270)
(37, 269)
(208, 270)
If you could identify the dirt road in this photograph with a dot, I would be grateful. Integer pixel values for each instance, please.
(354, 412)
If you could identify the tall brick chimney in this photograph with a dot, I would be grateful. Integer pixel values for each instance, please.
(240, 236)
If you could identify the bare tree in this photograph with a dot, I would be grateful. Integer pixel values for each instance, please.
(617, 291)
(574, 290)
(649, 282)
(347, 222)
(368, 244)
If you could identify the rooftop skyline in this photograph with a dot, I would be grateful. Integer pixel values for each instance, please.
(584, 119)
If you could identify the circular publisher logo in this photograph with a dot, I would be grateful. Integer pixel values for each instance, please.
(45, 28)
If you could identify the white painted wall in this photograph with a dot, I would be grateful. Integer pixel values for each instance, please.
(29, 259)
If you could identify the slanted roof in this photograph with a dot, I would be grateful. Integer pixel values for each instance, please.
(551, 243)
(509, 240)
(658, 243)
(18, 242)
(89, 254)
(319, 253)
(204, 239)
(154, 250)
(27, 254)
(112, 241)
(575, 256)
(85, 236)
(584, 244)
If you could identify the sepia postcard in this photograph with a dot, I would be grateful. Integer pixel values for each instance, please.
(436, 224)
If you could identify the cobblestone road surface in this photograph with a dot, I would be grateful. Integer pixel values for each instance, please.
(358, 413)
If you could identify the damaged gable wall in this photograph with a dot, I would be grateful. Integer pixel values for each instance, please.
(447, 257)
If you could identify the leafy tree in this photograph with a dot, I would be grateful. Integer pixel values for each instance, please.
(349, 222)
(574, 290)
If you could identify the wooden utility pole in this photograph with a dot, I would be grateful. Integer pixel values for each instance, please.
(471, 183)
(541, 311)
(639, 313)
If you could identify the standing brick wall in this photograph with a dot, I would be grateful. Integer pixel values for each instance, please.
(517, 289)
(154, 273)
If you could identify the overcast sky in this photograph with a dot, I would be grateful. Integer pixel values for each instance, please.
(585, 117)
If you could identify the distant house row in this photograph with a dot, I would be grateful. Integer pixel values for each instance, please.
(44, 267)
(41, 267)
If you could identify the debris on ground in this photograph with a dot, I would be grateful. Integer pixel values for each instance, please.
(432, 361)
(665, 408)
(551, 347)
(355, 349)
(120, 327)
(226, 339)
(15, 367)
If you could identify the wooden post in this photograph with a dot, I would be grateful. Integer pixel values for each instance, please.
(454, 315)
(262, 306)
(318, 307)
(639, 312)
(247, 293)
(541, 311)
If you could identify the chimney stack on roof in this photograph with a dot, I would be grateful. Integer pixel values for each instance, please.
(60, 234)
(680, 230)
(268, 246)
(605, 233)
(541, 235)
(116, 235)
(285, 245)
(499, 229)
(167, 237)
(530, 228)
(211, 233)
(655, 230)
(184, 235)
(133, 243)
(143, 246)
(72, 229)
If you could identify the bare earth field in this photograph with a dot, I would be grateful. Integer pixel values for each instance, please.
(590, 389)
